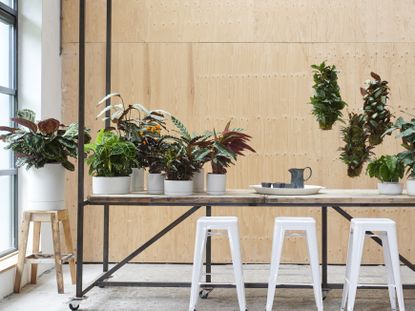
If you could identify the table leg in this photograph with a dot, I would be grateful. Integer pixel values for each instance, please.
(105, 251)
(79, 249)
(324, 262)
(208, 250)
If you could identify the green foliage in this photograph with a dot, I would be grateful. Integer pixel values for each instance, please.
(226, 146)
(356, 150)
(387, 168)
(378, 117)
(110, 155)
(407, 134)
(327, 102)
(48, 141)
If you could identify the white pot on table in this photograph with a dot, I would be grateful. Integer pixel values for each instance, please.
(410, 186)
(178, 187)
(111, 185)
(390, 188)
(155, 183)
(216, 184)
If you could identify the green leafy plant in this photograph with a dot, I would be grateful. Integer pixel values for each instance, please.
(387, 168)
(378, 117)
(327, 101)
(37, 144)
(110, 155)
(226, 146)
(407, 134)
(356, 151)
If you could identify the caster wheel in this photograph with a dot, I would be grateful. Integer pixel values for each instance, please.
(74, 306)
(204, 294)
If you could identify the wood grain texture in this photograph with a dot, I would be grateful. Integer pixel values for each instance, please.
(249, 60)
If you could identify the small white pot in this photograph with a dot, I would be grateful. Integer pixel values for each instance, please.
(47, 187)
(390, 188)
(137, 180)
(216, 184)
(155, 183)
(199, 181)
(178, 187)
(111, 185)
(410, 186)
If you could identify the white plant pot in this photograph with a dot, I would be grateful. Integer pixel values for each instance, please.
(178, 187)
(390, 188)
(155, 183)
(111, 185)
(199, 181)
(410, 186)
(47, 187)
(216, 184)
(137, 180)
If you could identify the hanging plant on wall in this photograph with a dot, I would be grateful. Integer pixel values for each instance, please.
(327, 102)
(356, 151)
(378, 117)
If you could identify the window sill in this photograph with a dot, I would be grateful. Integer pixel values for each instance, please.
(8, 262)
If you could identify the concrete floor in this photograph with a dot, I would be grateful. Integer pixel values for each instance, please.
(43, 296)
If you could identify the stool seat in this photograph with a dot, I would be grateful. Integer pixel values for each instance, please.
(217, 219)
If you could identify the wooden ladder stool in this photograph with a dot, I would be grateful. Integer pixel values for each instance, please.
(37, 217)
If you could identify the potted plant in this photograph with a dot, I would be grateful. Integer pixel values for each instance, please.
(378, 117)
(184, 156)
(111, 160)
(140, 126)
(356, 151)
(327, 101)
(407, 134)
(224, 149)
(44, 148)
(388, 170)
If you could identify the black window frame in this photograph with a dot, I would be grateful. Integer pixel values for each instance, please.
(8, 15)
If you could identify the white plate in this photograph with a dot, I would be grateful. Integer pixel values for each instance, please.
(307, 190)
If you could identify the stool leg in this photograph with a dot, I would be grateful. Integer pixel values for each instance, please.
(233, 234)
(312, 247)
(394, 255)
(389, 271)
(277, 243)
(35, 250)
(200, 243)
(347, 277)
(358, 242)
(69, 248)
(57, 252)
(24, 232)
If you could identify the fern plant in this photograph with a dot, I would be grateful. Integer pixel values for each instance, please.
(378, 117)
(356, 150)
(327, 101)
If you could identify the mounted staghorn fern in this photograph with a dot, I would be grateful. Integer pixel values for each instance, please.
(327, 102)
(378, 117)
(356, 150)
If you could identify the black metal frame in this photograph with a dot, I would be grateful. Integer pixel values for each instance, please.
(9, 16)
(101, 280)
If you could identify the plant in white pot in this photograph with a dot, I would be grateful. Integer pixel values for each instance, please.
(225, 147)
(407, 134)
(44, 148)
(388, 169)
(111, 160)
(136, 124)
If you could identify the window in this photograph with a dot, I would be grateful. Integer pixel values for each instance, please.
(8, 104)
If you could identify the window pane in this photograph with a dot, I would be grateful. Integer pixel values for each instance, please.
(5, 113)
(8, 2)
(6, 214)
(5, 59)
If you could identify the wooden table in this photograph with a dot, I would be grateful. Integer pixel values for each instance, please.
(335, 199)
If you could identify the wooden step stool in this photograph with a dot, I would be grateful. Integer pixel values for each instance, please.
(37, 217)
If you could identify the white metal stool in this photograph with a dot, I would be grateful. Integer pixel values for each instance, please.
(386, 229)
(308, 225)
(229, 224)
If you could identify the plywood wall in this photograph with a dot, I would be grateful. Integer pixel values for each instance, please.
(249, 61)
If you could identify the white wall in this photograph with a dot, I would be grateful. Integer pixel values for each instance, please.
(39, 88)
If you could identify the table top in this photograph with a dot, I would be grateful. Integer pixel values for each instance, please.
(326, 197)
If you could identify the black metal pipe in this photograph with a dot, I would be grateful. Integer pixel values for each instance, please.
(208, 250)
(105, 251)
(81, 124)
(324, 246)
(139, 250)
(108, 60)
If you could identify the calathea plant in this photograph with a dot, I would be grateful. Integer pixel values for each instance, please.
(378, 117)
(226, 146)
(388, 168)
(327, 102)
(38, 143)
(356, 150)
